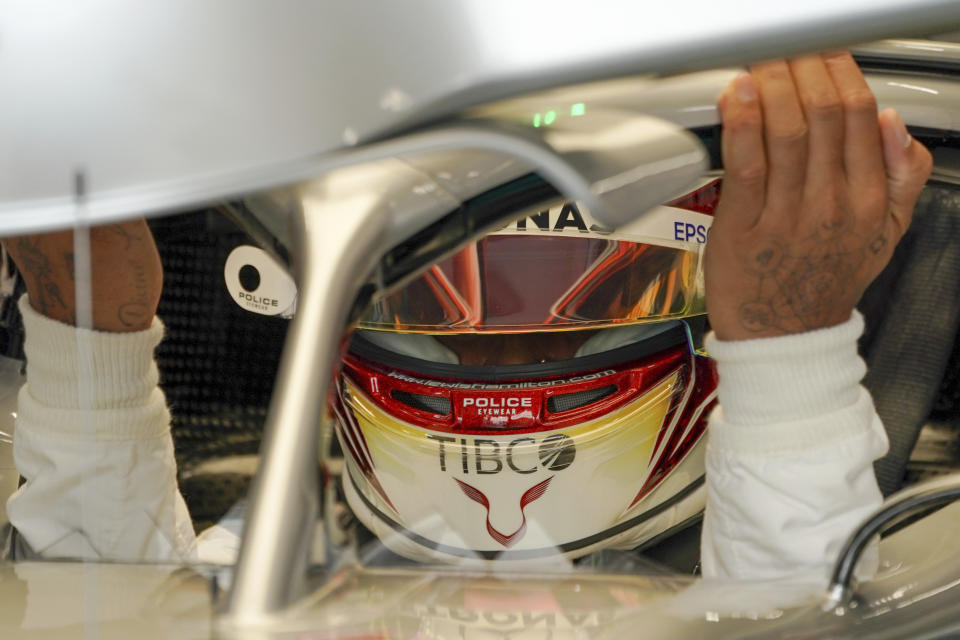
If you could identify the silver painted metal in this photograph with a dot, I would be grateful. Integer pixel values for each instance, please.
(837, 596)
(928, 53)
(154, 109)
(621, 165)
(914, 596)
(276, 543)
(934, 493)
(925, 100)
(689, 100)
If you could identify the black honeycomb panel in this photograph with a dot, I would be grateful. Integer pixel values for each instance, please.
(217, 361)
(433, 404)
(210, 496)
(577, 399)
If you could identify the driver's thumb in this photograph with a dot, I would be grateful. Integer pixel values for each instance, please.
(908, 166)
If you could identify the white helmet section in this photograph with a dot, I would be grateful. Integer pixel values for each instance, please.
(258, 283)
(663, 224)
(517, 495)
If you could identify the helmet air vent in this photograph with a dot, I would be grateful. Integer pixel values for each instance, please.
(568, 401)
(432, 404)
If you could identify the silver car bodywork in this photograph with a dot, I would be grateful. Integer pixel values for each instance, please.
(234, 97)
(913, 596)
(266, 593)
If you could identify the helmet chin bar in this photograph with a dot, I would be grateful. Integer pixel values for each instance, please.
(343, 223)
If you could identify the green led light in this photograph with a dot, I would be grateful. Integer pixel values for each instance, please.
(536, 119)
(549, 117)
(578, 109)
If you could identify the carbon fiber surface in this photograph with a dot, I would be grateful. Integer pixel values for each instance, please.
(217, 362)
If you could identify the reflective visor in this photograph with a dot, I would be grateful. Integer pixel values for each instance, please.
(554, 269)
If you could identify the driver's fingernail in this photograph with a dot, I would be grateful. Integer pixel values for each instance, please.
(902, 134)
(745, 87)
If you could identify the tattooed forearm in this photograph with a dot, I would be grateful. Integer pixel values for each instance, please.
(68, 261)
(125, 271)
(121, 231)
(34, 263)
(138, 309)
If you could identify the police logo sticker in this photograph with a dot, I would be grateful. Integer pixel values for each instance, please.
(258, 283)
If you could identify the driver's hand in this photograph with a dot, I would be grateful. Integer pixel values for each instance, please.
(818, 190)
(127, 277)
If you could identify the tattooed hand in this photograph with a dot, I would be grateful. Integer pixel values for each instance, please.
(126, 273)
(818, 190)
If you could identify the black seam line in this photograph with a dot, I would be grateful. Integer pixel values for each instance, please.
(673, 337)
(528, 553)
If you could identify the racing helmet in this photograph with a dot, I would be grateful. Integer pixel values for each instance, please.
(540, 393)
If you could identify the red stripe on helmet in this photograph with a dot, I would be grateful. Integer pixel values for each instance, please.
(694, 416)
(356, 444)
(521, 406)
(703, 200)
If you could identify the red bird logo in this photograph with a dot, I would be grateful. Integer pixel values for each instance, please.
(531, 494)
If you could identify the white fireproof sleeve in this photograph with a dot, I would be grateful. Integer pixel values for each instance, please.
(790, 454)
(92, 442)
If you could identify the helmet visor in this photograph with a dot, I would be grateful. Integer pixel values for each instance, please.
(555, 271)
